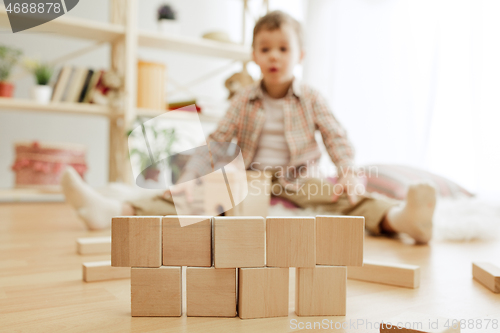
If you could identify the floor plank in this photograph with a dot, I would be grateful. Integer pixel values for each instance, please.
(41, 287)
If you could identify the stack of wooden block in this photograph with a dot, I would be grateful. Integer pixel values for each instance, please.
(238, 265)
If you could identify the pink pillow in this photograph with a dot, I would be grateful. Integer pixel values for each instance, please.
(393, 181)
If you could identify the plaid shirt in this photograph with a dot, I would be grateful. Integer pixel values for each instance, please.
(305, 111)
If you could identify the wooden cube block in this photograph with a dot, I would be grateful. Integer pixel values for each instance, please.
(136, 241)
(258, 198)
(211, 292)
(102, 270)
(339, 240)
(262, 292)
(290, 241)
(156, 292)
(400, 275)
(190, 245)
(216, 194)
(239, 242)
(93, 245)
(320, 291)
(487, 274)
(415, 322)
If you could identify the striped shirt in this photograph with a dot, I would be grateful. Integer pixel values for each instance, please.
(272, 150)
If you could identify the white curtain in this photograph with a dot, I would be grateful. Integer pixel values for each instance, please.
(415, 82)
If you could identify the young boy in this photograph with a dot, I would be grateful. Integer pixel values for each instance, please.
(274, 122)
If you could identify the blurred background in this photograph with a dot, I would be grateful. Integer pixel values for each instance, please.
(415, 83)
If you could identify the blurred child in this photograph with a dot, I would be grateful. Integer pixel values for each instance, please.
(274, 122)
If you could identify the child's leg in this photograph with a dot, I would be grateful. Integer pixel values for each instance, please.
(382, 215)
(97, 210)
(156, 205)
(415, 216)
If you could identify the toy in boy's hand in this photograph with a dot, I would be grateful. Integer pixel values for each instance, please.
(351, 185)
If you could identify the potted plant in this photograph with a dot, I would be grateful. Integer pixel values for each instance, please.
(167, 20)
(163, 139)
(8, 58)
(42, 92)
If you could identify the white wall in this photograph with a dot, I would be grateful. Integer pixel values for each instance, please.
(414, 82)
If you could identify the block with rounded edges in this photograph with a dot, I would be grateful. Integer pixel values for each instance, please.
(136, 241)
(339, 240)
(156, 292)
(93, 245)
(290, 241)
(487, 274)
(320, 291)
(189, 245)
(401, 275)
(102, 271)
(239, 241)
(263, 292)
(211, 292)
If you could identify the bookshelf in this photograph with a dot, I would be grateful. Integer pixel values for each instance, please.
(184, 116)
(74, 27)
(125, 39)
(62, 107)
(192, 45)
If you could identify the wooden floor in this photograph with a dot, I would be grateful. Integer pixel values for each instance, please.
(41, 288)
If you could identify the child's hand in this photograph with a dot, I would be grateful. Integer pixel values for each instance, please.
(351, 185)
(186, 188)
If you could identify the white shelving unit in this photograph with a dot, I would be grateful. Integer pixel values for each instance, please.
(68, 108)
(74, 27)
(125, 39)
(186, 116)
(192, 45)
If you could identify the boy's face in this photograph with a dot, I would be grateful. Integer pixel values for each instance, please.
(277, 52)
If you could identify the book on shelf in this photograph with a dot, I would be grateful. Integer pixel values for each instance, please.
(91, 86)
(68, 84)
(85, 85)
(61, 83)
(76, 85)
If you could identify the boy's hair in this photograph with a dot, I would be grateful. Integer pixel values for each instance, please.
(274, 20)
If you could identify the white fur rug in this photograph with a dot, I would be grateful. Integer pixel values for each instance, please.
(454, 220)
(464, 219)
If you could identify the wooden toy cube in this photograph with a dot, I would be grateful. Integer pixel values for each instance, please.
(400, 275)
(290, 242)
(487, 274)
(239, 242)
(258, 199)
(190, 245)
(217, 198)
(136, 241)
(320, 291)
(263, 292)
(102, 270)
(339, 240)
(93, 245)
(156, 292)
(211, 292)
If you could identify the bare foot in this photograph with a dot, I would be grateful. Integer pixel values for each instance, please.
(415, 217)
